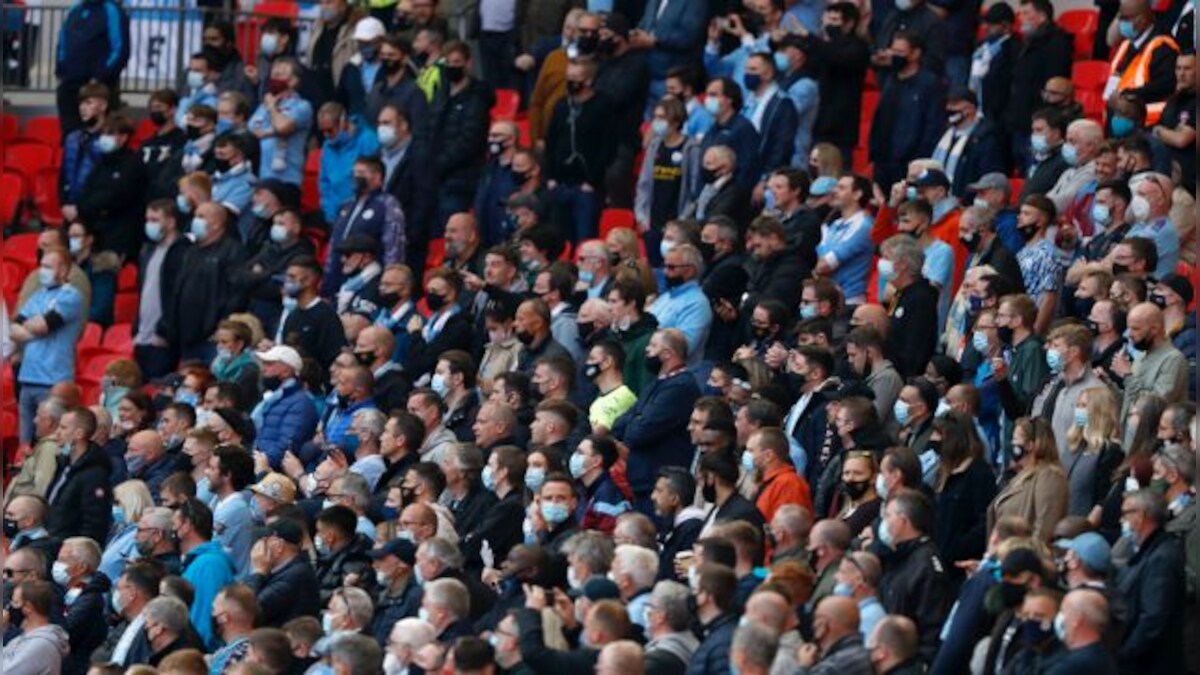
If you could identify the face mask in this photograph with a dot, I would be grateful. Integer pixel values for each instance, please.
(591, 371)
(277, 85)
(439, 385)
(1005, 333)
(268, 44)
(158, 117)
(278, 234)
(1101, 215)
(713, 105)
(1060, 627)
(361, 186)
(118, 515)
(1125, 26)
(489, 479)
(11, 529)
(842, 590)
(1121, 126)
(1032, 632)
(855, 489)
(1054, 360)
(880, 486)
(435, 301)
(823, 186)
(60, 573)
(885, 533)
(107, 144)
(46, 277)
(900, 410)
(154, 231)
(577, 465)
(887, 269)
(1070, 155)
(193, 132)
(222, 165)
(586, 44)
(292, 289)
(1038, 144)
(320, 545)
(369, 52)
(392, 67)
(904, 5)
(534, 478)
(16, 616)
(979, 340)
(199, 228)
(747, 461)
(969, 242)
(654, 364)
(1140, 208)
(454, 74)
(955, 117)
(327, 623)
(387, 136)
(195, 79)
(554, 514)
(898, 62)
(709, 493)
(659, 127)
(752, 81)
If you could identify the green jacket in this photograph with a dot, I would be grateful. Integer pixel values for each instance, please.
(634, 341)
(1027, 370)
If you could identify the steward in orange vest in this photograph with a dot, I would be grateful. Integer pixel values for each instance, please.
(1144, 62)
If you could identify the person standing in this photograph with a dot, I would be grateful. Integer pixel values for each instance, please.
(916, 90)
(93, 46)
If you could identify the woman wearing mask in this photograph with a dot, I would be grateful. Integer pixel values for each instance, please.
(856, 502)
(120, 377)
(1038, 492)
(130, 499)
(446, 327)
(198, 446)
(234, 362)
(1134, 471)
(1093, 451)
(667, 174)
(985, 342)
(539, 464)
(963, 489)
(502, 349)
(135, 412)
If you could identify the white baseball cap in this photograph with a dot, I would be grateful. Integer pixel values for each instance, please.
(282, 354)
(369, 28)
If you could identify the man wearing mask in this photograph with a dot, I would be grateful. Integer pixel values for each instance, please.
(971, 146)
(914, 305)
(205, 563)
(160, 262)
(553, 286)
(343, 140)
(1041, 269)
(714, 594)
(922, 20)
(1152, 587)
(1149, 210)
(282, 123)
(1047, 53)
(1108, 216)
(204, 293)
(720, 192)
(915, 88)
(361, 271)
(992, 66)
(673, 496)
(579, 150)
(257, 276)
(168, 136)
(154, 539)
(372, 212)
(683, 305)
(24, 526)
(724, 100)
(355, 53)
(916, 222)
(846, 57)
(400, 590)
(281, 576)
(1049, 129)
(1080, 625)
(458, 128)
(110, 201)
(204, 69)
(40, 641)
(623, 79)
(1069, 357)
(771, 111)
(533, 330)
(798, 81)
(308, 322)
(1144, 61)
(914, 581)
(405, 180)
(787, 190)
(977, 234)
(1084, 138)
(81, 146)
(397, 307)
(1157, 366)
(498, 181)
(838, 645)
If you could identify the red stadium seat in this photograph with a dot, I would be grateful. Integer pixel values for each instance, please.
(8, 424)
(1092, 102)
(11, 187)
(45, 197)
(119, 339)
(28, 159)
(22, 248)
(144, 131)
(436, 254)
(870, 99)
(1090, 75)
(523, 127)
(285, 8)
(507, 103)
(92, 333)
(127, 279)
(1081, 23)
(125, 307)
(310, 191)
(611, 219)
(46, 129)
(9, 126)
(1015, 185)
(93, 368)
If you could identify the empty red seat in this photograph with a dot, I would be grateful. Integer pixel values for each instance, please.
(45, 197)
(119, 339)
(611, 219)
(46, 129)
(11, 187)
(9, 126)
(1090, 75)
(28, 159)
(125, 307)
(507, 103)
(1081, 23)
(127, 279)
(21, 248)
(1015, 186)
(92, 333)
(436, 255)
(1092, 102)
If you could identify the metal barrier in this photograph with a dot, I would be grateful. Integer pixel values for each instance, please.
(163, 34)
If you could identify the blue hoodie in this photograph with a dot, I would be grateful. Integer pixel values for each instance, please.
(208, 570)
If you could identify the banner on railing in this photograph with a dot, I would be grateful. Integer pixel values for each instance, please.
(158, 38)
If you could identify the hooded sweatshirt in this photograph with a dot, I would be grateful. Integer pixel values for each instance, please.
(37, 652)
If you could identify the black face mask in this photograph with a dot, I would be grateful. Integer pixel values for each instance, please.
(158, 117)
(16, 616)
(586, 328)
(454, 74)
(194, 133)
(1093, 326)
(606, 47)
(11, 529)
(1159, 300)
(1027, 231)
(525, 337)
(833, 32)
(761, 333)
(709, 492)
(587, 44)
(1083, 306)
(708, 176)
(1031, 632)
(435, 301)
(361, 186)
(708, 250)
(519, 177)
(591, 371)
(392, 67)
(653, 364)
(574, 88)
(854, 489)
(970, 243)
(364, 358)
(673, 282)
(1119, 269)
(389, 299)
(222, 165)
(1005, 334)
(1011, 594)
(271, 383)
(1143, 345)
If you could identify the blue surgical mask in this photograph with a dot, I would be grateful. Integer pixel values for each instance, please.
(75, 245)
(1039, 144)
(199, 228)
(885, 533)
(747, 461)
(665, 247)
(106, 143)
(981, 203)
(290, 303)
(887, 269)
(1070, 155)
(278, 234)
(808, 310)
(577, 465)
(1054, 360)
(269, 44)
(195, 79)
(439, 386)
(843, 590)
(118, 515)
(713, 105)
(489, 479)
(46, 277)
(822, 186)
(260, 210)
(154, 231)
(183, 204)
(781, 62)
(387, 135)
(224, 126)
(587, 276)
(881, 486)
(555, 514)
(979, 340)
(900, 410)
(1125, 26)
(1101, 215)
(910, 193)
(659, 127)
(534, 477)
(1060, 627)
(1121, 126)
(1081, 417)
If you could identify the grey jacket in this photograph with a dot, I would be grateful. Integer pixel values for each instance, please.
(37, 652)
(645, 182)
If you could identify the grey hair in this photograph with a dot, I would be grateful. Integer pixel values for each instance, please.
(371, 422)
(1181, 459)
(902, 248)
(671, 598)
(641, 564)
(692, 256)
(982, 216)
(413, 633)
(86, 550)
(442, 550)
(757, 643)
(643, 532)
(451, 594)
(725, 154)
(357, 488)
(168, 612)
(160, 517)
(360, 654)
(358, 605)
(53, 407)
(1152, 503)
(795, 519)
(593, 548)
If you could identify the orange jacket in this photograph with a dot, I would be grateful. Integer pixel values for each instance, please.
(779, 487)
(550, 88)
(1137, 71)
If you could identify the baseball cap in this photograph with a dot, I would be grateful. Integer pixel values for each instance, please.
(358, 243)
(1021, 560)
(999, 12)
(1180, 285)
(597, 588)
(282, 354)
(286, 529)
(1092, 549)
(369, 28)
(276, 486)
(932, 178)
(403, 549)
(990, 181)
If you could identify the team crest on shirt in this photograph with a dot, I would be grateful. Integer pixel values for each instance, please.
(368, 214)
(899, 313)
(99, 493)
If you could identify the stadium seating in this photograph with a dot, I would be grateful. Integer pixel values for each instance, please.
(611, 219)
(46, 129)
(125, 307)
(45, 197)
(1082, 24)
(1090, 75)
(28, 159)
(21, 248)
(10, 198)
(507, 103)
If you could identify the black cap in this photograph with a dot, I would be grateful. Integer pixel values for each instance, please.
(1180, 285)
(932, 178)
(403, 549)
(358, 243)
(241, 424)
(285, 528)
(1021, 560)
(287, 194)
(597, 588)
(1000, 13)
(961, 92)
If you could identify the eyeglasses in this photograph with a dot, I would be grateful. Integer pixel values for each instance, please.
(10, 573)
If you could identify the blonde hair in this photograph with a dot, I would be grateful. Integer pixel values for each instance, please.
(199, 180)
(1102, 425)
(125, 373)
(256, 328)
(829, 160)
(1039, 437)
(134, 497)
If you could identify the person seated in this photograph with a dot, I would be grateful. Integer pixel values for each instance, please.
(100, 267)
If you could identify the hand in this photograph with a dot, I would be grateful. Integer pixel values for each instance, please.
(69, 212)
(881, 58)
(587, 187)
(1121, 364)
(744, 352)
(291, 465)
(564, 608)
(535, 597)
(999, 369)
(776, 356)
(640, 39)
(414, 324)
(806, 655)
(260, 560)
(734, 26)
(337, 458)
(525, 62)
(682, 565)
(791, 24)
(866, 538)
(969, 566)
(491, 577)
(487, 555)
(269, 100)
(643, 226)
(261, 463)
(757, 195)
(622, 450)
(265, 344)
(472, 281)
(899, 188)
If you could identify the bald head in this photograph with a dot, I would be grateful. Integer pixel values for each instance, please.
(871, 315)
(148, 444)
(28, 511)
(1085, 612)
(770, 609)
(216, 216)
(419, 520)
(596, 311)
(377, 340)
(1146, 326)
(839, 616)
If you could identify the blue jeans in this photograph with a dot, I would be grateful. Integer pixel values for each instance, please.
(578, 211)
(32, 396)
(958, 69)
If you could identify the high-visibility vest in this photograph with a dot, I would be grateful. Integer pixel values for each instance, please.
(381, 4)
(1137, 73)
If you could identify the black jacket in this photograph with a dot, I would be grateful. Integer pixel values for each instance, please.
(997, 84)
(923, 21)
(624, 80)
(724, 279)
(913, 336)
(732, 200)
(79, 497)
(353, 558)
(256, 277)
(471, 511)
(1005, 263)
(203, 294)
(580, 152)
(461, 419)
(1045, 174)
(803, 231)
(843, 63)
(672, 540)
(391, 389)
(287, 593)
(172, 264)
(712, 656)
(1044, 55)
(416, 189)
(983, 154)
(84, 620)
(500, 527)
(460, 126)
(111, 202)
(545, 660)
(960, 523)
(776, 278)
(316, 332)
(391, 608)
(423, 356)
(1153, 589)
(482, 596)
(914, 584)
